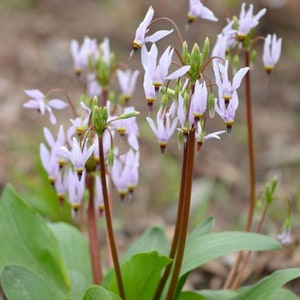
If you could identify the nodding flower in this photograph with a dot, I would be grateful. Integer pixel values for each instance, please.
(159, 72)
(140, 35)
(166, 125)
(198, 10)
(227, 112)
(272, 51)
(127, 80)
(78, 156)
(225, 87)
(39, 102)
(247, 21)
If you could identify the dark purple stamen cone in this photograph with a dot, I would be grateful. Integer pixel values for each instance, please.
(229, 127)
(162, 148)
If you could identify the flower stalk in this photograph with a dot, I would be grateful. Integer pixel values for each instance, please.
(108, 218)
(92, 232)
(184, 220)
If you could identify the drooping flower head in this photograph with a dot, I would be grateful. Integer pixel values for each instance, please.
(127, 80)
(201, 135)
(225, 87)
(227, 112)
(83, 54)
(140, 35)
(78, 155)
(198, 10)
(39, 102)
(166, 125)
(272, 51)
(248, 20)
(158, 72)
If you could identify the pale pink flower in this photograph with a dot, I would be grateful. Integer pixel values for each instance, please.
(84, 53)
(140, 36)
(247, 20)
(198, 10)
(227, 88)
(39, 102)
(285, 236)
(159, 72)
(166, 123)
(78, 155)
(127, 80)
(272, 51)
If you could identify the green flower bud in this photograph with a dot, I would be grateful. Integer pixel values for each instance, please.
(128, 115)
(211, 104)
(185, 53)
(235, 62)
(103, 73)
(205, 49)
(100, 117)
(164, 100)
(110, 156)
(253, 57)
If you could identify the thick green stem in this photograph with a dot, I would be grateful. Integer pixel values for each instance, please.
(108, 219)
(190, 149)
(178, 225)
(93, 233)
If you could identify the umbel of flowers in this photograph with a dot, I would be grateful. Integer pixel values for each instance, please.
(101, 143)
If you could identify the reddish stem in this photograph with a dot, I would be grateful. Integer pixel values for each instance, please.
(92, 233)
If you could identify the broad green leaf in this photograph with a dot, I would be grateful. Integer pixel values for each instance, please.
(21, 283)
(202, 228)
(141, 275)
(42, 197)
(26, 240)
(154, 239)
(99, 293)
(269, 285)
(216, 294)
(75, 251)
(191, 296)
(283, 294)
(211, 246)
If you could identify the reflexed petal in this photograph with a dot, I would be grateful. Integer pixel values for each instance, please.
(178, 73)
(157, 35)
(36, 94)
(238, 77)
(57, 104)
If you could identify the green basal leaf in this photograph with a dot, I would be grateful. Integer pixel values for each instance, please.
(154, 239)
(202, 228)
(99, 293)
(269, 285)
(20, 283)
(75, 251)
(49, 206)
(202, 249)
(191, 296)
(26, 240)
(141, 275)
(216, 295)
(283, 294)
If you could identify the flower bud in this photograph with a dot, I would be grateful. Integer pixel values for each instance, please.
(211, 104)
(100, 117)
(205, 49)
(185, 53)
